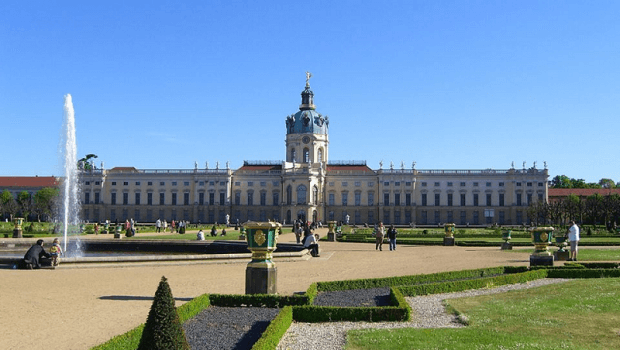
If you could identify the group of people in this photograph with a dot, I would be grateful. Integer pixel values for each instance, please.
(32, 258)
(380, 235)
(201, 235)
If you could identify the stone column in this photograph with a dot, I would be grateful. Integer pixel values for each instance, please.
(261, 272)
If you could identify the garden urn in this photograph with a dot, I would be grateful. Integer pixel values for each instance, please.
(17, 231)
(448, 240)
(541, 237)
(331, 234)
(261, 272)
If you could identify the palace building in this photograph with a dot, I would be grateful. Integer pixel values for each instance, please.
(307, 185)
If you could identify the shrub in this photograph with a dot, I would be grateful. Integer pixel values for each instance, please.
(276, 329)
(163, 330)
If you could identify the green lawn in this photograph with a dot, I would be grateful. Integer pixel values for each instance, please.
(580, 314)
(230, 235)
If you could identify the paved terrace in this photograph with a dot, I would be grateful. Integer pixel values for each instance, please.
(77, 308)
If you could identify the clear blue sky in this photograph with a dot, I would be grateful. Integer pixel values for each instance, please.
(448, 84)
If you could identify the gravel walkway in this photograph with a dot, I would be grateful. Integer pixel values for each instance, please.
(228, 328)
(428, 312)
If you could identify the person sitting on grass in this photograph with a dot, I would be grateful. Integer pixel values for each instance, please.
(213, 231)
(36, 252)
(223, 232)
(200, 236)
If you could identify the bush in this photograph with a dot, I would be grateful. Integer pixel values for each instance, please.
(408, 280)
(584, 273)
(457, 286)
(276, 329)
(257, 300)
(355, 314)
(163, 329)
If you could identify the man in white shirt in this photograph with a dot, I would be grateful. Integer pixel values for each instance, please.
(573, 237)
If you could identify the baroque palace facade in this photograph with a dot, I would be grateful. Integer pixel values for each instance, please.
(310, 187)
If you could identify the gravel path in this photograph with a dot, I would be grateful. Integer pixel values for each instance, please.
(428, 312)
(227, 328)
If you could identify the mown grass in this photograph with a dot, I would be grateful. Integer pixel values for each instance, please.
(580, 314)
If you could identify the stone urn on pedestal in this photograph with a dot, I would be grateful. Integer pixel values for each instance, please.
(261, 272)
(242, 235)
(561, 254)
(331, 234)
(541, 237)
(506, 237)
(17, 231)
(448, 240)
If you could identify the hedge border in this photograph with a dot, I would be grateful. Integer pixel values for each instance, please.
(412, 279)
(271, 337)
(584, 273)
(456, 286)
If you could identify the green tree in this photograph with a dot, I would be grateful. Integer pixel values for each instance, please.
(561, 181)
(24, 203)
(44, 201)
(607, 183)
(86, 163)
(163, 330)
(9, 206)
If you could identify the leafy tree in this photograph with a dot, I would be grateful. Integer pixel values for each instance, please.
(561, 181)
(44, 201)
(607, 183)
(86, 163)
(9, 206)
(163, 330)
(24, 203)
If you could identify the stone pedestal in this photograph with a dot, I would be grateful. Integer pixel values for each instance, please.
(506, 246)
(541, 260)
(261, 273)
(561, 255)
(17, 231)
(331, 234)
(448, 241)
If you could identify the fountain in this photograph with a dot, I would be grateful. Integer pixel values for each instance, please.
(70, 208)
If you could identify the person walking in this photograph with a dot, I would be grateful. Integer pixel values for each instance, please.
(573, 238)
(379, 236)
(158, 226)
(392, 237)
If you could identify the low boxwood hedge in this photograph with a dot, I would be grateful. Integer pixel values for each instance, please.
(275, 331)
(584, 273)
(409, 280)
(257, 300)
(456, 286)
(355, 314)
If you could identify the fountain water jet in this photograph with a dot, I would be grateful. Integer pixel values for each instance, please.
(70, 189)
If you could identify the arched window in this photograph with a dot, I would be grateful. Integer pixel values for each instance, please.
(306, 155)
(301, 194)
(293, 155)
(289, 195)
(315, 195)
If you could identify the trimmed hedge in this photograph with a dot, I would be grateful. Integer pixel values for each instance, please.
(275, 331)
(584, 273)
(408, 280)
(595, 265)
(257, 300)
(131, 339)
(397, 298)
(456, 286)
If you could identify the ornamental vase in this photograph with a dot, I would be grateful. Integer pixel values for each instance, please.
(506, 235)
(541, 237)
(262, 238)
(331, 234)
(449, 230)
(18, 222)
